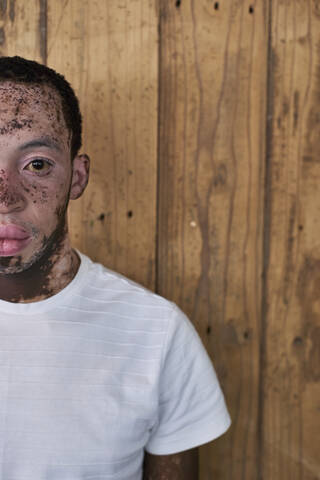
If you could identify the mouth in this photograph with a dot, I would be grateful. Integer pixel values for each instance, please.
(12, 239)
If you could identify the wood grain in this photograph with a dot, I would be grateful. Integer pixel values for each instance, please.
(238, 219)
(211, 192)
(20, 29)
(291, 372)
(109, 51)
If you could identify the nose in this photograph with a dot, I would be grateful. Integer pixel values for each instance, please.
(10, 199)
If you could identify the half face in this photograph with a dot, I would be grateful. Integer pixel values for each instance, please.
(37, 177)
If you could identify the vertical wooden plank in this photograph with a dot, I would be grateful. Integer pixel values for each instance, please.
(22, 31)
(109, 53)
(291, 371)
(212, 156)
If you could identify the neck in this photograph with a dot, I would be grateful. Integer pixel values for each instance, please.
(46, 277)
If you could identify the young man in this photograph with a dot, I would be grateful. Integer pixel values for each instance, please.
(100, 378)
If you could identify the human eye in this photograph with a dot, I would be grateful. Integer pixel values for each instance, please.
(39, 166)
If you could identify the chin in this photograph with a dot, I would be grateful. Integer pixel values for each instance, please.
(20, 262)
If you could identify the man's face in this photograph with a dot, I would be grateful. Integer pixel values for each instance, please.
(35, 174)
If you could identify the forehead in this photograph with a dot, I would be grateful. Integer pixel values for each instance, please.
(25, 108)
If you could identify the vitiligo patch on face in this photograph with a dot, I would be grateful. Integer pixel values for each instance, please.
(33, 128)
(24, 109)
(9, 197)
(23, 104)
(14, 124)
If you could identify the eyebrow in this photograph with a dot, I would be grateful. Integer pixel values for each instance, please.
(41, 142)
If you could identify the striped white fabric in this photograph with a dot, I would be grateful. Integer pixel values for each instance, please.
(94, 375)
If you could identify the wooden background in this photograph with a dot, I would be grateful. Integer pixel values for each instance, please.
(202, 120)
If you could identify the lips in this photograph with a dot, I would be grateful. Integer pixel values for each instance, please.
(13, 232)
(12, 239)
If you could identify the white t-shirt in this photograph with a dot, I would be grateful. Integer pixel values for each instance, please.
(96, 374)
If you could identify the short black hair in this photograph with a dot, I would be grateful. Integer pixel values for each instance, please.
(21, 70)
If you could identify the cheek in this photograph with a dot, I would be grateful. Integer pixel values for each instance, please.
(45, 195)
(10, 192)
(49, 203)
(37, 194)
(61, 200)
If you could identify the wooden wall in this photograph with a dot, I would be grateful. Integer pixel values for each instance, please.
(202, 120)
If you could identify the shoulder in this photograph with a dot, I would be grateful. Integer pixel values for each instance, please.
(119, 287)
(109, 291)
(132, 305)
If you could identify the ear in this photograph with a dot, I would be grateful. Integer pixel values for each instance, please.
(80, 176)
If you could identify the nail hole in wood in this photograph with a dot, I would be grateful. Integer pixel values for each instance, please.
(216, 6)
(297, 341)
(246, 334)
(130, 213)
(300, 227)
(251, 9)
(101, 217)
(208, 330)
(178, 3)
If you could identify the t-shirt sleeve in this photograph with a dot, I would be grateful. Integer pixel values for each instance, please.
(191, 408)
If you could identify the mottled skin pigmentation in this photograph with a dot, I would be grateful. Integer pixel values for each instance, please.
(37, 180)
(33, 129)
(179, 466)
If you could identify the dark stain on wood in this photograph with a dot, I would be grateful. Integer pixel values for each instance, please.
(3, 7)
(289, 262)
(312, 356)
(284, 113)
(220, 178)
(272, 65)
(316, 8)
(307, 275)
(12, 10)
(43, 20)
(302, 40)
(307, 292)
(309, 159)
(313, 121)
(2, 36)
(313, 129)
(295, 111)
(285, 107)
